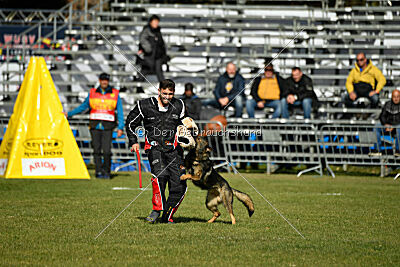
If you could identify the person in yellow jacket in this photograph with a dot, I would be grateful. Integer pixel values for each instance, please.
(364, 80)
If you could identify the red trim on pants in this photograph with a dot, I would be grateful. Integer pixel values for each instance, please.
(176, 207)
(157, 198)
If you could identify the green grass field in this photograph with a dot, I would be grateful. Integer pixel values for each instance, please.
(346, 221)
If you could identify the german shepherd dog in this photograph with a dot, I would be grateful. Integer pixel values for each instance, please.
(199, 169)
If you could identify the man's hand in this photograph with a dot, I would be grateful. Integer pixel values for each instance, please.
(290, 99)
(139, 52)
(260, 104)
(65, 114)
(373, 92)
(119, 133)
(353, 96)
(223, 101)
(135, 148)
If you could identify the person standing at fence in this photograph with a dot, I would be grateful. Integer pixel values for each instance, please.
(389, 123)
(229, 90)
(103, 102)
(364, 80)
(266, 92)
(192, 102)
(300, 92)
(160, 117)
(152, 54)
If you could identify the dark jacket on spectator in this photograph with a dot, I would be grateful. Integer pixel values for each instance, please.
(302, 89)
(390, 113)
(152, 44)
(237, 83)
(193, 106)
(254, 88)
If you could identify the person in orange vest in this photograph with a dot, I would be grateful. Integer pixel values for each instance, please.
(103, 102)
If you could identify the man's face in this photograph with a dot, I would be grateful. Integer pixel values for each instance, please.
(104, 84)
(231, 70)
(396, 97)
(166, 95)
(188, 93)
(154, 23)
(361, 60)
(269, 73)
(296, 75)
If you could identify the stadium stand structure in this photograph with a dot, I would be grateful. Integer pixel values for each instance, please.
(201, 39)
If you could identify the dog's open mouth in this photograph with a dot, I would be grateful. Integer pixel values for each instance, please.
(183, 140)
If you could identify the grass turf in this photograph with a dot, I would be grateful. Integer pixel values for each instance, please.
(346, 221)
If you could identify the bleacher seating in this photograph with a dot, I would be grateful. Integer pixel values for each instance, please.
(202, 38)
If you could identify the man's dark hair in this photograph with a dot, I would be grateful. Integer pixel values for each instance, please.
(104, 76)
(268, 60)
(167, 84)
(296, 68)
(189, 87)
(154, 17)
(365, 55)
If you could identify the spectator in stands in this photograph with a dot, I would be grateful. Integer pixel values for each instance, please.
(152, 49)
(390, 123)
(266, 92)
(192, 102)
(229, 90)
(102, 102)
(300, 92)
(364, 80)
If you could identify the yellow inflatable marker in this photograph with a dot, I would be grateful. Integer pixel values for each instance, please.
(38, 142)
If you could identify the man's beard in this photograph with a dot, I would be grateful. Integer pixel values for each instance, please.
(164, 101)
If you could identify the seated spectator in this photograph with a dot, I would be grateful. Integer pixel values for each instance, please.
(266, 92)
(192, 102)
(229, 90)
(390, 123)
(364, 80)
(299, 92)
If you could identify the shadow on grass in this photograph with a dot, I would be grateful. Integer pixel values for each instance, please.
(188, 220)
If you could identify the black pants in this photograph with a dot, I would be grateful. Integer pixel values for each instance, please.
(154, 68)
(362, 90)
(167, 169)
(101, 143)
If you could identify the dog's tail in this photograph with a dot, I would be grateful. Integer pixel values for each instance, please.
(246, 200)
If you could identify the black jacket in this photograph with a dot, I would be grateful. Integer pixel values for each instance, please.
(153, 45)
(193, 106)
(302, 89)
(390, 113)
(254, 88)
(160, 127)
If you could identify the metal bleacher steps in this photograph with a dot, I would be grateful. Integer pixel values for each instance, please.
(202, 38)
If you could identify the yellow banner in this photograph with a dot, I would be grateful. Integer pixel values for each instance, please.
(38, 142)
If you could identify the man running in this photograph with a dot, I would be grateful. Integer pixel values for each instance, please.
(161, 116)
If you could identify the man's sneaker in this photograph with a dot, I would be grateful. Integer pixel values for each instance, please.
(153, 216)
(375, 153)
(99, 175)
